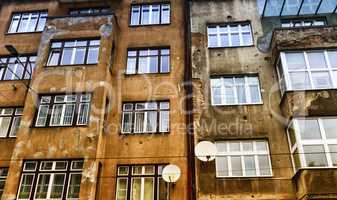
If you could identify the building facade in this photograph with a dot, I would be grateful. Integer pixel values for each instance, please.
(92, 99)
(263, 92)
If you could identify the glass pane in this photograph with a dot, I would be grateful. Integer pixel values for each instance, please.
(247, 39)
(42, 115)
(164, 121)
(235, 40)
(155, 14)
(57, 186)
(79, 56)
(165, 15)
(264, 165)
(139, 122)
(236, 166)
(333, 153)
(93, 55)
(136, 189)
(56, 115)
(151, 121)
(61, 165)
(32, 22)
(212, 40)
(68, 114)
(26, 186)
(295, 61)
(224, 40)
(330, 127)
(254, 94)
(83, 114)
(46, 165)
(316, 60)
(42, 186)
(261, 146)
(4, 126)
(77, 165)
(143, 65)
(163, 189)
(221, 166)
(123, 170)
(131, 65)
(121, 189)
(216, 96)
(23, 23)
(333, 58)
(165, 64)
(135, 15)
(153, 64)
(67, 56)
(15, 126)
(53, 58)
(42, 22)
(234, 146)
(145, 15)
(127, 122)
(300, 80)
(309, 129)
(74, 186)
(247, 146)
(241, 92)
(315, 155)
(250, 165)
(148, 189)
(321, 79)
(14, 23)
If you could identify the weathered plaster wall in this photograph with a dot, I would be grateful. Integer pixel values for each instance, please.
(237, 122)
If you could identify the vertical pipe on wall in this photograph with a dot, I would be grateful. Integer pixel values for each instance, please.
(189, 103)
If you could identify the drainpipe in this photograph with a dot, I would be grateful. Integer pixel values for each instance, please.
(189, 103)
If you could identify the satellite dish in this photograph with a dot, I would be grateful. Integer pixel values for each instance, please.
(171, 173)
(205, 151)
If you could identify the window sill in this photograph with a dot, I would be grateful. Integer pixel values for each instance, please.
(50, 127)
(244, 177)
(248, 104)
(231, 47)
(148, 25)
(14, 80)
(143, 134)
(23, 33)
(300, 170)
(74, 66)
(1, 138)
(148, 74)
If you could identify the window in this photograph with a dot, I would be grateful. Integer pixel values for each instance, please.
(12, 68)
(230, 35)
(150, 14)
(10, 119)
(237, 90)
(89, 11)
(74, 52)
(50, 180)
(28, 22)
(141, 182)
(307, 22)
(308, 70)
(313, 142)
(63, 110)
(246, 158)
(146, 117)
(3, 177)
(145, 61)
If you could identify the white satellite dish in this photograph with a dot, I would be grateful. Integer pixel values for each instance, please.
(205, 151)
(171, 173)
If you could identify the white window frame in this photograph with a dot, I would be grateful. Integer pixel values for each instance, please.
(50, 184)
(234, 88)
(286, 71)
(41, 14)
(241, 153)
(140, 8)
(67, 172)
(299, 143)
(70, 175)
(229, 33)
(292, 22)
